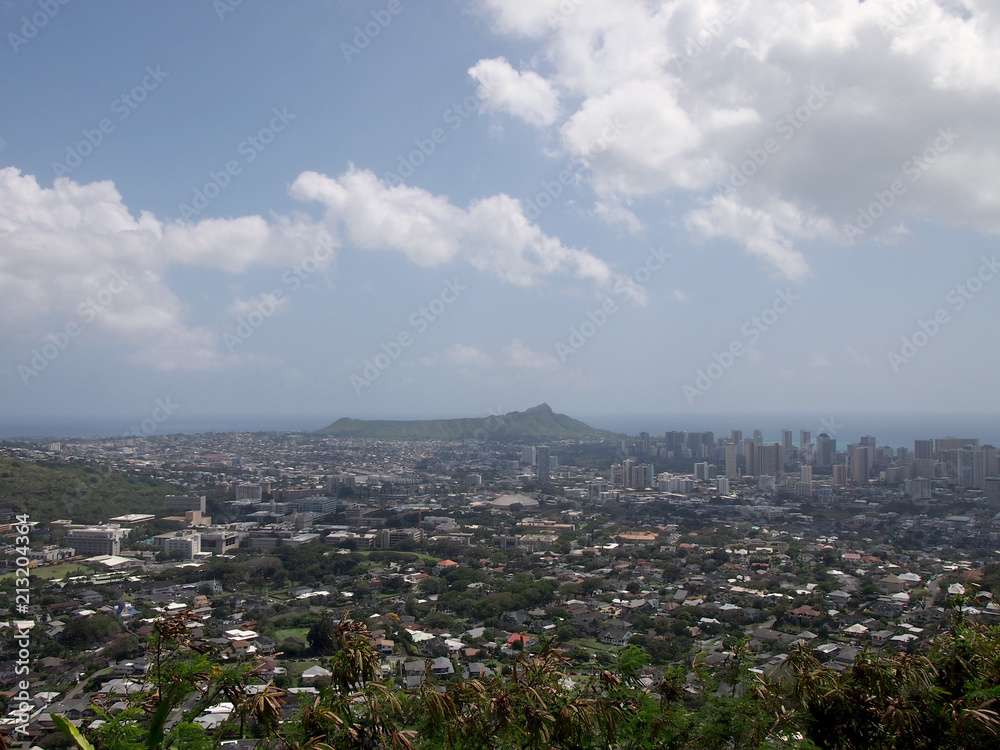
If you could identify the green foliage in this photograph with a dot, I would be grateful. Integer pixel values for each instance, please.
(47, 491)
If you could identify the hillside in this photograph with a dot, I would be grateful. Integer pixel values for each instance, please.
(536, 423)
(86, 495)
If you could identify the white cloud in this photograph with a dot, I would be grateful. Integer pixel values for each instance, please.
(517, 354)
(460, 355)
(525, 95)
(74, 253)
(492, 234)
(699, 85)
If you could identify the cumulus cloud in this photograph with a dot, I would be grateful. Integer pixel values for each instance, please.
(812, 106)
(525, 95)
(517, 354)
(76, 252)
(492, 234)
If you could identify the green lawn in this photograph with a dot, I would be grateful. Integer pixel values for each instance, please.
(280, 635)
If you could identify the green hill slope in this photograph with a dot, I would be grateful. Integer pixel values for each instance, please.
(536, 423)
(86, 495)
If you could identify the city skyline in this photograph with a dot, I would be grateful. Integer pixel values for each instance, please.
(241, 214)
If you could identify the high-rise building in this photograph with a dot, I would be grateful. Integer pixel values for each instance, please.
(736, 436)
(732, 467)
(807, 474)
(805, 437)
(786, 439)
(528, 455)
(825, 448)
(840, 475)
(991, 490)
(758, 436)
(772, 460)
(918, 489)
(96, 540)
(544, 469)
(722, 485)
(923, 449)
(701, 472)
(860, 464)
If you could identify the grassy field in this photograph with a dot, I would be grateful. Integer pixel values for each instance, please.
(280, 635)
(51, 572)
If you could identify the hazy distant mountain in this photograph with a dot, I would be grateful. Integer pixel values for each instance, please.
(537, 423)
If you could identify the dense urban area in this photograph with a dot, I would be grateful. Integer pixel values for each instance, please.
(693, 566)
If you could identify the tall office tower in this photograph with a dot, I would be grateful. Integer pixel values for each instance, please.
(771, 461)
(991, 490)
(736, 436)
(840, 475)
(758, 436)
(752, 454)
(953, 444)
(528, 455)
(985, 465)
(825, 448)
(644, 443)
(869, 442)
(674, 441)
(807, 473)
(786, 439)
(544, 470)
(805, 437)
(922, 468)
(732, 467)
(627, 465)
(860, 464)
(923, 449)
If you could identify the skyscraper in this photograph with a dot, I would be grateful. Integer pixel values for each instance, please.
(544, 470)
(732, 467)
(805, 437)
(860, 464)
(923, 449)
(786, 439)
(825, 448)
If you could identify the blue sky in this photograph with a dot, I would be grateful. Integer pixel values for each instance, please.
(613, 206)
